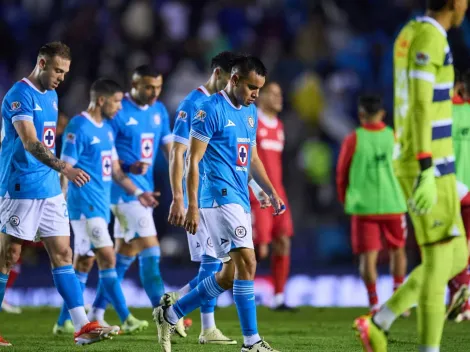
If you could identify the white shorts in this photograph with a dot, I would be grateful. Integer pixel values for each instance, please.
(90, 234)
(31, 219)
(200, 243)
(229, 227)
(133, 220)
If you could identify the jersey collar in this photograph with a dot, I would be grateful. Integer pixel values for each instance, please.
(132, 101)
(434, 23)
(228, 100)
(376, 126)
(29, 83)
(204, 90)
(268, 122)
(89, 118)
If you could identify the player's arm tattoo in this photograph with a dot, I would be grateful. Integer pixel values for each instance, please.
(45, 156)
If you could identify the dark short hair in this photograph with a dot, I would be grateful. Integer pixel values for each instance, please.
(224, 60)
(146, 70)
(52, 49)
(105, 87)
(370, 103)
(244, 64)
(435, 5)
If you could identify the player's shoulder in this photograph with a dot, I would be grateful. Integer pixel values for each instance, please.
(430, 35)
(19, 91)
(77, 123)
(210, 105)
(195, 96)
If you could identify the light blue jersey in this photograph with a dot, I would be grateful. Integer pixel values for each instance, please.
(89, 146)
(186, 110)
(139, 131)
(22, 176)
(230, 133)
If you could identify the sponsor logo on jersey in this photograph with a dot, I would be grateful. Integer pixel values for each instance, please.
(422, 58)
(106, 166)
(201, 115)
(242, 154)
(15, 105)
(146, 146)
(182, 115)
(251, 121)
(71, 138)
(48, 134)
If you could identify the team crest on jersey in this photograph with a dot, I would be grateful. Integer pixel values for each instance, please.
(251, 121)
(15, 105)
(71, 138)
(201, 115)
(106, 165)
(157, 119)
(263, 132)
(422, 58)
(54, 105)
(182, 115)
(48, 134)
(111, 137)
(242, 154)
(146, 145)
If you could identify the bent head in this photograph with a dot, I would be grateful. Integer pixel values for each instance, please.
(248, 77)
(270, 97)
(107, 95)
(221, 66)
(370, 109)
(456, 8)
(53, 63)
(147, 84)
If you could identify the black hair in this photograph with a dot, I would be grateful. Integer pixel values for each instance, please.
(370, 103)
(244, 64)
(146, 70)
(52, 49)
(435, 5)
(105, 86)
(224, 60)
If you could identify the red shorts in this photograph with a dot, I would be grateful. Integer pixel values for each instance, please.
(367, 231)
(266, 226)
(466, 219)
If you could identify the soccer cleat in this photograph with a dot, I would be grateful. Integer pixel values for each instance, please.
(465, 315)
(459, 299)
(67, 328)
(260, 346)
(214, 336)
(164, 328)
(134, 325)
(4, 343)
(8, 308)
(373, 339)
(94, 332)
(285, 308)
(169, 299)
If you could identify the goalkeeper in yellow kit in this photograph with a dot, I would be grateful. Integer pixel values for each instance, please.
(425, 166)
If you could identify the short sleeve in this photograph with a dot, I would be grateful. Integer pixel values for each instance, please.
(72, 144)
(425, 57)
(205, 122)
(167, 136)
(255, 126)
(182, 126)
(18, 105)
(114, 154)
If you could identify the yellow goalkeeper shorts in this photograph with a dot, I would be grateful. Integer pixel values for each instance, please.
(444, 219)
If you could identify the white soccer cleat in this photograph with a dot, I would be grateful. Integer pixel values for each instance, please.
(260, 346)
(465, 315)
(169, 299)
(94, 332)
(216, 337)
(164, 328)
(8, 308)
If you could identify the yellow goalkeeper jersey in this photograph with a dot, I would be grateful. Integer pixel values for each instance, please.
(423, 84)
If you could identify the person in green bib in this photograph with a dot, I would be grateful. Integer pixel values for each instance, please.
(461, 141)
(371, 194)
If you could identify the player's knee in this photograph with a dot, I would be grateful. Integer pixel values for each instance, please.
(84, 264)
(12, 255)
(247, 269)
(225, 281)
(62, 256)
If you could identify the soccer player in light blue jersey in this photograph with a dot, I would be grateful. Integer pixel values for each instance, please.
(31, 199)
(89, 145)
(140, 128)
(223, 136)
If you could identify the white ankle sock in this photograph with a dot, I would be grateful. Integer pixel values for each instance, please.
(384, 318)
(428, 349)
(251, 340)
(207, 321)
(96, 314)
(79, 317)
(183, 291)
(171, 316)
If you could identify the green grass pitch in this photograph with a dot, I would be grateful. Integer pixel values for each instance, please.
(311, 329)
